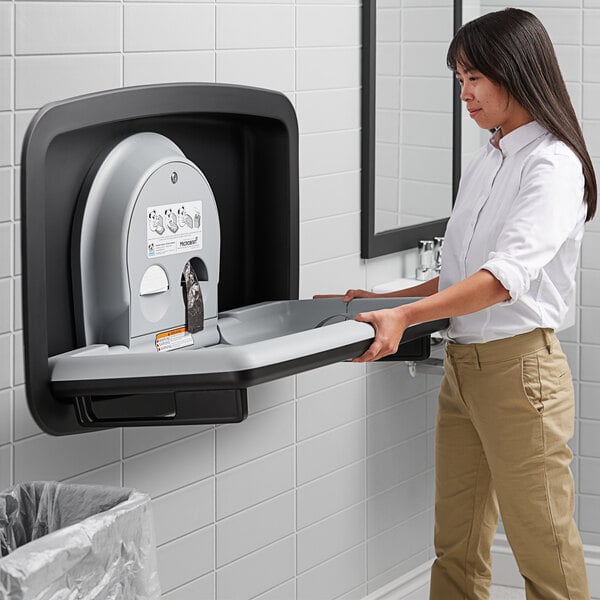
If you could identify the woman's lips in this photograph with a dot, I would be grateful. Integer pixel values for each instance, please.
(473, 112)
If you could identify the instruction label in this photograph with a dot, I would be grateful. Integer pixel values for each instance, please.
(173, 228)
(173, 339)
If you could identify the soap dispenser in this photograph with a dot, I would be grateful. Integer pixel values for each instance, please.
(438, 247)
(425, 270)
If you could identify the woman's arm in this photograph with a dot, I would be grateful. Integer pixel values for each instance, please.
(427, 288)
(470, 295)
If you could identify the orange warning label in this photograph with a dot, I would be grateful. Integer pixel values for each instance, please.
(173, 339)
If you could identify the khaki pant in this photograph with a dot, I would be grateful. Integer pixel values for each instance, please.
(506, 412)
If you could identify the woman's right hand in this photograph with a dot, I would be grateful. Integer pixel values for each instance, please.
(349, 295)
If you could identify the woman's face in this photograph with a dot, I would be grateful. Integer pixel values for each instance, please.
(488, 103)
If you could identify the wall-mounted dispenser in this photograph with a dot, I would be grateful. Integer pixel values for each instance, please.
(145, 250)
(160, 259)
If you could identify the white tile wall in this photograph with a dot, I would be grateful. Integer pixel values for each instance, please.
(262, 68)
(389, 548)
(328, 110)
(43, 79)
(254, 26)
(286, 590)
(35, 458)
(330, 494)
(328, 195)
(326, 490)
(6, 194)
(140, 439)
(328, 26)
(160, 27)
(183, 510)
(204, 587)
(17, 309)
(25, 426)
(394, 465)
(254, 482)
(390, 508)
(327, 68)
(5, 139)
(6, 28)
(168, 67)
(259, 435)
(5, 470)
(5, 301)
(5, 416)
(258, 572)
(330, 408)
(6, 81)
(186, 558)
(335, 577)
(108, 475)
(62, 27)
(270, 394)
(332, 275)
(329, 153)
(317, 244)
(255, 528)
(333, 450)
(153, 471)
(591, 59)
(5, 360)
(326, 539)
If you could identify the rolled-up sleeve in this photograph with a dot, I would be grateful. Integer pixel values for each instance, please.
(540, 220)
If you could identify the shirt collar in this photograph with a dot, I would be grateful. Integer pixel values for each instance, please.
(518, 138)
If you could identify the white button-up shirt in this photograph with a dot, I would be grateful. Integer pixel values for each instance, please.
(519, 214)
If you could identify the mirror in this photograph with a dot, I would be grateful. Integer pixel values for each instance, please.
(411, 123)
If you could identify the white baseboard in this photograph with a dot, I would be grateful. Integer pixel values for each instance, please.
(414, 585)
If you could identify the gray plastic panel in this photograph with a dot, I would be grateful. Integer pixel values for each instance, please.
(111, 251)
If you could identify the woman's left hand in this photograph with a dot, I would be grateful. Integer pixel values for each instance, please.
(389, 325)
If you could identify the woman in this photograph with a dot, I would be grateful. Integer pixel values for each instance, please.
(511, 248)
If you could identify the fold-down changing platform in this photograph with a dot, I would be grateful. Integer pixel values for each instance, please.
(94, 365)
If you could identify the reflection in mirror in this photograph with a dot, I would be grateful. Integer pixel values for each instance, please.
(411, 122)
(413, 117)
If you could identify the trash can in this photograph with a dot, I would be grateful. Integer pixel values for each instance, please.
(77, 542)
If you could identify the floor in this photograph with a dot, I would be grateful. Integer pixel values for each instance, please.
(506, 593)
(497, 593)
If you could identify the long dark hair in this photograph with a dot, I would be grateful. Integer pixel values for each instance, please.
(512, 48)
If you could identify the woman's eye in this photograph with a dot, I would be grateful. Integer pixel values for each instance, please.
(473, 78)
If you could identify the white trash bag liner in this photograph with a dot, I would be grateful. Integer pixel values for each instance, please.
(74, 542)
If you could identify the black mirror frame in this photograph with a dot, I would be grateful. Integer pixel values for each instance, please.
(402, 238)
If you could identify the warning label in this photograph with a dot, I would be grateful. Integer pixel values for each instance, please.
(173, 228)
(173, 339)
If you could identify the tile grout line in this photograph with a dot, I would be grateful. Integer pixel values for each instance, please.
(13, 75)
(295, 462)
(215, 78)
(215, 500)
(366, 485)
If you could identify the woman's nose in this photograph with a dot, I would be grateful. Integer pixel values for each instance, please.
(465, 93)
